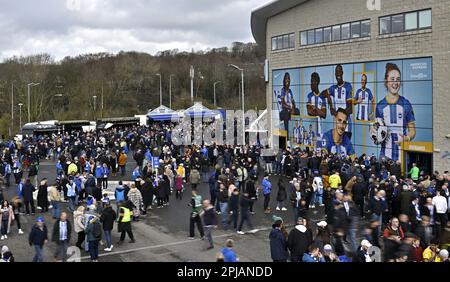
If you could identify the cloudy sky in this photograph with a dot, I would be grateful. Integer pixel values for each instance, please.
(71, 27)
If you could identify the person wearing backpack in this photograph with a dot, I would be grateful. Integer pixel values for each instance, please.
(93, 236)
(61, 236)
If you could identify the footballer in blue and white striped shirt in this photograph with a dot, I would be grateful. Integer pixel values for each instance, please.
(340, 95)
(365, 101)
(397, 113)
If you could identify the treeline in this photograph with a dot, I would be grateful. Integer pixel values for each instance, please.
(128, 83)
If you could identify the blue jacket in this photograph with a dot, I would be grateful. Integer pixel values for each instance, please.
(98, 172)
(77, 182)
(105, 171)
(59, 169)
(19, 189)
(148, 156)
(87, 167)
(229, 255)
(278, 245)
(267, 186)
(135, 175)
(205, 152)
(307, 257)
(8, 169)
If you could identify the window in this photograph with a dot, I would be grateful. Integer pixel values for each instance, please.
(365, 29)
(405, 22)
(336, 33)
(311, 36)
(279, 42)
(425, 19)
(411, 21)
(285, 41)
(327, 34)
(398, 22)
(385, 25)
(303, 38)
(319, 35)
(345, 31)
(356, 30)
(292, 40)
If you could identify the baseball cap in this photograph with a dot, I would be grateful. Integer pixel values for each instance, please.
(40, 219)
(300, 219)
(366, 243)
(328, 248)
(276, 218)
(322, 224)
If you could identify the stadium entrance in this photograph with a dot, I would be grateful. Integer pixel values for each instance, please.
(424, 162)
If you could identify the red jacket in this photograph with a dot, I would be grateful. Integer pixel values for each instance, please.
(389, 232)
(417, 254)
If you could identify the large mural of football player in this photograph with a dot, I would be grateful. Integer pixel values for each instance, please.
(287, 102)
(336, 141)
(396, 113)
(364, 101)
(340, 96)
(316, 104)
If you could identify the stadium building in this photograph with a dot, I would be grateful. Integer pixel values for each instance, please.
(360, 77)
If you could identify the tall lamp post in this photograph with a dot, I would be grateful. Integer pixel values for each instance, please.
(95, 103)
(215, 83)
(192, 74)
(243, 100)
(12, 107)
(29, 99)
(170, 90)
(20, 115)
(160, 89)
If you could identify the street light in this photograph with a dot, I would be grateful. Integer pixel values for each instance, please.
(95, 104)
(12, 107)
(20, 115)
(170, 90)
(160, 89)
(215, 83)
(95, 99)
(192, 74)
(200, 76)
(29, 99)
(243, 100)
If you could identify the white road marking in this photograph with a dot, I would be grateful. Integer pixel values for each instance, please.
(165, 245)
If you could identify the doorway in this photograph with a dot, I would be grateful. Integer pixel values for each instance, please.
(424, 162)
(282, 142)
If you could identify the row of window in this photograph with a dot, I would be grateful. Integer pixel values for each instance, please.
(285, 41)
(405, 22)
(338, 32)
(359, 29)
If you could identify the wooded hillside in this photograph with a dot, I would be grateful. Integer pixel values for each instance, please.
(129, 82)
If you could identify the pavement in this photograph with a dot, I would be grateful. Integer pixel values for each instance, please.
(161, 236)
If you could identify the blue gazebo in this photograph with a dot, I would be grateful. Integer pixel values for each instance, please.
(163, 113)
(200, 111)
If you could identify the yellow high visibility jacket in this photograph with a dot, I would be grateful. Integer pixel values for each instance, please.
(126, 215)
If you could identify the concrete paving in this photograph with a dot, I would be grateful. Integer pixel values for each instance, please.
(161, 236)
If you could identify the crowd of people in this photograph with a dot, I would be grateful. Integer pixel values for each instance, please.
(368, 204)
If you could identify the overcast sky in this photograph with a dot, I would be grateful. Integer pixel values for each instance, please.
(72, 27)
